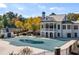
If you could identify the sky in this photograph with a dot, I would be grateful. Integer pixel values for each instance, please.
(35, 9)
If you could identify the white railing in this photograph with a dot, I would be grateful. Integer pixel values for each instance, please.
(48, 29)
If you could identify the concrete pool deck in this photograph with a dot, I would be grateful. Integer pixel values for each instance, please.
(6, 48)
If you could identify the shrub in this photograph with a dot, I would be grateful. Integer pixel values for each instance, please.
(24, 51)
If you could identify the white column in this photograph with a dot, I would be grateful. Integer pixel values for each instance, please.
(40, 29)
(61, 30)
(53, 30)
(40, 33)
(44, 33)
(43, 26)
(49, 26)
(72, 28)
(48, 34)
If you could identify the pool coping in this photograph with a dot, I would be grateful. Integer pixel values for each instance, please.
(68, 44)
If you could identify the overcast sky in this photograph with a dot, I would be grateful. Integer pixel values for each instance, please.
(35, 9)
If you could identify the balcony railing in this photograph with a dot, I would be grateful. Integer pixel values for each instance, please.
(48, 29)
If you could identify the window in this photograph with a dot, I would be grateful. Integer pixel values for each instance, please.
(69, 35)
(47, 26)
(55, 26)
(75, 34)
(75, 26)
(46, 18)
(68, 27)
(58, 34)
(51, 25)
(58, 26)
(64, 26)
(7, 30)
(42, 26)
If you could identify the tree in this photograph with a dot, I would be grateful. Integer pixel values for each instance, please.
(5, 22)
(36, 22)
(11, 19)
(1, 24)
(1, 18)
(19, 24)
(21, 18)
(28, 23)
(78, 18)
(72, 17)
(7, 17)
(34, 27)
(10, 15)
(32, 23)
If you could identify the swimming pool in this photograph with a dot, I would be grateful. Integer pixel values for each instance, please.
(42, 43)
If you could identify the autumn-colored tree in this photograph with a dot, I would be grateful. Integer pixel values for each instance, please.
(1, 22)
(72, 17)
(32, 23)
(36, 22)
(19, 24)
(11, 19)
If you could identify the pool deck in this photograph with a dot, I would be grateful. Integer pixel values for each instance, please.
(6, 48)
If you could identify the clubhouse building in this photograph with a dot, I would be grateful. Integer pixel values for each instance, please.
(58, 26)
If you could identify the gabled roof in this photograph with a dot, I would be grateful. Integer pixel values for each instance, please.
(60, 17)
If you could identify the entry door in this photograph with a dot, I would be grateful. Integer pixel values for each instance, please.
(47, 34)
(75, 34)
(51, 35)
(69, 35)
(9, 34)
